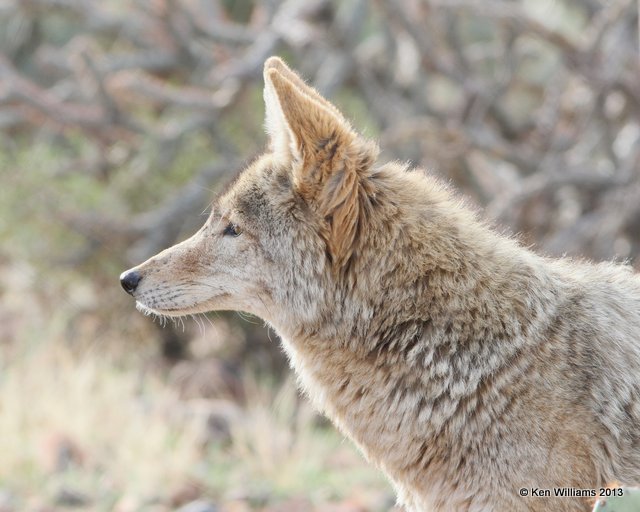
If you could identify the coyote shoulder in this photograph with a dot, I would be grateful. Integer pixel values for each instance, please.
(463, 365)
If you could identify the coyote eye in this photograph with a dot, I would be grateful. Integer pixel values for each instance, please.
(231, 230)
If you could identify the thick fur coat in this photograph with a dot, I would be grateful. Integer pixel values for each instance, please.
(463, 365)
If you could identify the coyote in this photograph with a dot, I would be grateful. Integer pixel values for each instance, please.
(476, 374)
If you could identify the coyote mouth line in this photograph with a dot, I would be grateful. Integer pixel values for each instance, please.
(147, 310)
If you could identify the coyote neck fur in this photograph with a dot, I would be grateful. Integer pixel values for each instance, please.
(436, 377)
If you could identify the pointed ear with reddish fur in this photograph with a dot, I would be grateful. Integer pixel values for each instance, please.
(328, 159)
(279, 65)
(311, 128)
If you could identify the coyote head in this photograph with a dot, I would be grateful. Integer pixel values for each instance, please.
(287, 231)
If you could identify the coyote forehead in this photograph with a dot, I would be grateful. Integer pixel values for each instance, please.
(463, 365)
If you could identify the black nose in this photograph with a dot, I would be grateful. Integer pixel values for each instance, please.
(129, 281)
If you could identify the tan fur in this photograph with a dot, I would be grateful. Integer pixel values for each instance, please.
(463, 365)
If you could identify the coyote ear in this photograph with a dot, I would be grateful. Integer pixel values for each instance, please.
(328, 159)
(301, 124)
(279, 65)
(280, 136)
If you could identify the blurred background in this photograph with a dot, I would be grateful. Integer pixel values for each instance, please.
(119, 120)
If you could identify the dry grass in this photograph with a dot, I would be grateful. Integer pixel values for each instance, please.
(88, 414)
(90, 420)
(285, 451)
